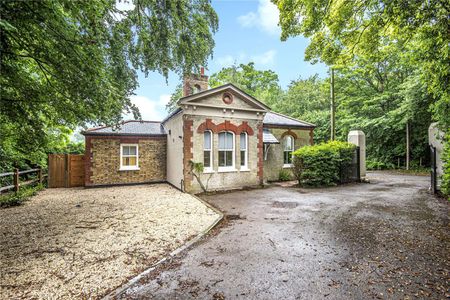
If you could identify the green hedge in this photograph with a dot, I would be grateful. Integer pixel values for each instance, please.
(320, 165)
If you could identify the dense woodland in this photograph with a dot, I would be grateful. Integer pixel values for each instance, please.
(65, 64)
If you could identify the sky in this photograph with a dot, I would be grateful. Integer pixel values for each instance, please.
(248, 31)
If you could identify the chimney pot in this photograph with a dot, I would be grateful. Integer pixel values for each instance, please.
(202, 71)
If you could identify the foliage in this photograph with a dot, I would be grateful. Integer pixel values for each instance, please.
(197, 169)
(445, 184)
(320, 165)
(171, 106)
(261, 84)
(353, 34)
(378, 165)
(284, 175)
(17, 198)
(71, 63)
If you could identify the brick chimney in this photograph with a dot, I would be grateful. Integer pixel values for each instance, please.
(195, 83)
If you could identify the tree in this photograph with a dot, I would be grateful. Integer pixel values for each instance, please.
(343, 31)
(68, 63)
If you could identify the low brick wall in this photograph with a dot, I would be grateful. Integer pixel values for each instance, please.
(103, 161)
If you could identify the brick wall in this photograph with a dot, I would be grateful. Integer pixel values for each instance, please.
(103, 160)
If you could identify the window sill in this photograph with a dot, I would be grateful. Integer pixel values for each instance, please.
(129, 169)
(226, 170)
(244, 170)
(287, 166)
(208, 171)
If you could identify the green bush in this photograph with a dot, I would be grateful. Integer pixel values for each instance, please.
(320, 165)
(284, 175)
(17, 198)
(379, 165)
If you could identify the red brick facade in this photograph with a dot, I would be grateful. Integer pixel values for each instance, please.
(225, 126)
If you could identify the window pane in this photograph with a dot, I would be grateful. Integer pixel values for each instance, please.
(207, 159)
(243, 157)
(287, 157)
(132, 150)
(132, 161)
(125, 161)
(207, 137)
(229, 141)
(229, 158)
(221, 158)
(222, 140)
(243, 141)
(126, 150)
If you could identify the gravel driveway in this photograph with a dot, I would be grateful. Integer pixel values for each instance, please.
(386, 240)
(79, 243)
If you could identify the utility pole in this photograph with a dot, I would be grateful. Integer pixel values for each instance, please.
(333, 106)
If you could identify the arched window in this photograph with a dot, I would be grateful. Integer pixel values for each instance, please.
(288, 148)
(226, 150)
(207, 151)
(244, 147)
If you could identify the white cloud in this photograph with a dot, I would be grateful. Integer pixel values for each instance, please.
(151, 110)
(264, 59)
(267, 58)
(265, 18)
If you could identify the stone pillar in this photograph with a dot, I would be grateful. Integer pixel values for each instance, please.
(358, 138)
(435, 138)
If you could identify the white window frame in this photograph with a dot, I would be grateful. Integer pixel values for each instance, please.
(244, 167)
(232, 167)
(210, 168)
(129, 168)
(284, 150)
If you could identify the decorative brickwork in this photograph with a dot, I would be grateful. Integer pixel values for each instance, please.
(103, 160)
(225, 126)
(187, 151)
(289, 132)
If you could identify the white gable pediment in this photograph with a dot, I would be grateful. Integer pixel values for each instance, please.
(226, 96)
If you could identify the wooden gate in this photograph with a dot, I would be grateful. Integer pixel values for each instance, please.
(65, 170)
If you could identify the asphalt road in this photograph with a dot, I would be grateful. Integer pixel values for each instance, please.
(389, 239)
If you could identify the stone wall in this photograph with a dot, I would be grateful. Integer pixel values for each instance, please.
(274, 162)
(103, 164)
(218, 180)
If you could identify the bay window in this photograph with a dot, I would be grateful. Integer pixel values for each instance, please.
(226, 150)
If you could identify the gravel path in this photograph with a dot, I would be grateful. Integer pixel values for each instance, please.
(81, 243)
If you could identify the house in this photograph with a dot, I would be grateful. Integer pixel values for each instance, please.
(237, 138)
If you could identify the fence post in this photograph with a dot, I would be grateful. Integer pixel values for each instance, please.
(40, 175)
(16, 180)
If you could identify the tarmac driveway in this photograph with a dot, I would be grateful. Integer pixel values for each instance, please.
(389, 239)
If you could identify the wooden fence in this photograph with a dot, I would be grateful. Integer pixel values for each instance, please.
(65, 170)
(16, 179)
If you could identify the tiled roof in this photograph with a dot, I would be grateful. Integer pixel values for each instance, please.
(150, 128)
(272, 118)
(268, 138)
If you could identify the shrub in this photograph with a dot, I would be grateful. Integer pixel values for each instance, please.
(17, 198)
(445, 185)
(320, 165)
(284, 175)
(379, 165)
